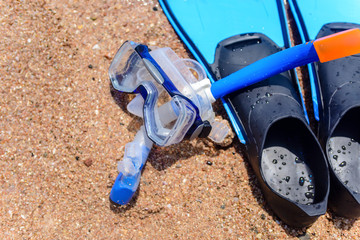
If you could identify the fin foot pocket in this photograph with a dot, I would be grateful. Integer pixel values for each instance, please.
(293, 168)
(339, 131)
(283, 152)
(343, 151)
(287, 160)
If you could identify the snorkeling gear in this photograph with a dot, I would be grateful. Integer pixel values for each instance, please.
(175, 109)
(270, 117)
(159, 72)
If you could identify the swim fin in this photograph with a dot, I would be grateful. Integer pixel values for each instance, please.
(335, 92)
(270, 117)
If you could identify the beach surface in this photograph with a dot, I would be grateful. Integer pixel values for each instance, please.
(63, 129)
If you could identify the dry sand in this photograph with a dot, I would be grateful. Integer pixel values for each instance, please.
(63, 129)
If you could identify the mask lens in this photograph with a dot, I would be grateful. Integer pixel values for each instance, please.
(166, 123)
(127, 70)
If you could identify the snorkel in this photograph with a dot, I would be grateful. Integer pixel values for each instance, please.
(175, 98)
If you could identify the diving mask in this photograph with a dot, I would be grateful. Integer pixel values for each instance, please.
(175, 104)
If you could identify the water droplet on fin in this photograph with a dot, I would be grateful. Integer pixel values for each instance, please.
(301, 181)
(309, 195)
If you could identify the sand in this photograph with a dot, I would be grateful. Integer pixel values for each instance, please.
(63, 129)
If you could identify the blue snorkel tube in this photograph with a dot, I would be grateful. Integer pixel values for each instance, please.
(265, 68)
(199, 97)
(127, 182)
